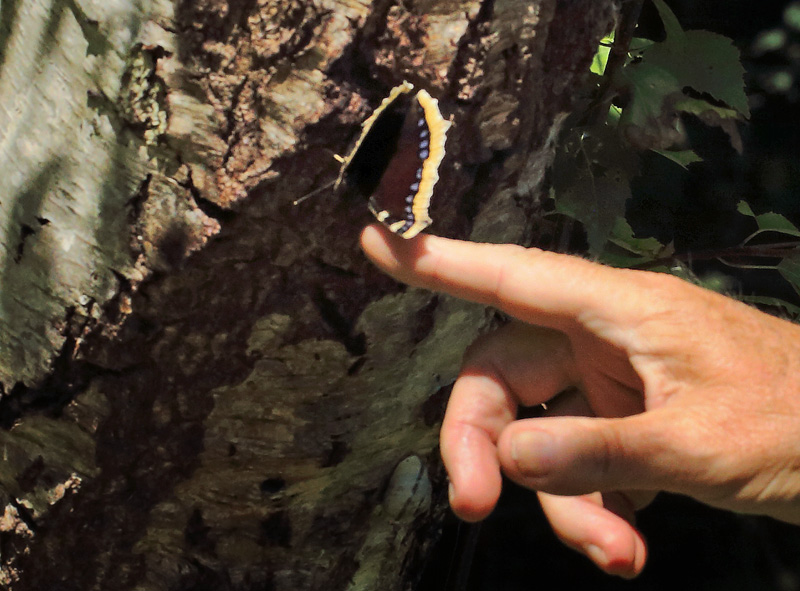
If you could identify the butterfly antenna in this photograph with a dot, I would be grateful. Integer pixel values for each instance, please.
(324, 187)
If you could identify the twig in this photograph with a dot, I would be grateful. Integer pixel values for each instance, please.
(623, 35)
(774, 251)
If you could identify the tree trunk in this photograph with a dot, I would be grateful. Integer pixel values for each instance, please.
(205, 386)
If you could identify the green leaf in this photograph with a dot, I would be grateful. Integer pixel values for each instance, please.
(671, 25)
(701, 108)
(648, 247)
(744, 208)
(601, 57)
(706, 62)
(770, 221)
(597, 202)
(645, 122)
(699, 62)
(623, 249)
(682, 158)
(639, 44)
(789, 268)
(713, 116)
(591, 181)
(792, 310)
(777, 223)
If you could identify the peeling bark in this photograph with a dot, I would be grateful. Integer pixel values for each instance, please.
(204, 385)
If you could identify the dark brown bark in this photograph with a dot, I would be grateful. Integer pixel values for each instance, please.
(234, 420)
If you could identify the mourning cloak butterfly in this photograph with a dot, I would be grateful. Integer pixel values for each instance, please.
(395, 161)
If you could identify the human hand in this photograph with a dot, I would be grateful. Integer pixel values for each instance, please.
(669, 387)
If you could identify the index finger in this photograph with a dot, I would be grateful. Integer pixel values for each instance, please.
(533, 285)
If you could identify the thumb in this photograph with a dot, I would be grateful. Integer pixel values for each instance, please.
(580, 455)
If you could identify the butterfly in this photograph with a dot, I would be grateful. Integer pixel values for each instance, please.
(395, 162)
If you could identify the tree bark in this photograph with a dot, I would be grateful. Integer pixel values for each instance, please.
(204, 385)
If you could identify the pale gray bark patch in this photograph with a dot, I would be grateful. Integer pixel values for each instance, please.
(407, 498)
(71, 161)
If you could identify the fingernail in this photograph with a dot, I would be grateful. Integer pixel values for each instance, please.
(596, 555)
(532, 450)
(451, 492)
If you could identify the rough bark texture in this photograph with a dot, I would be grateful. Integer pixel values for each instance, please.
(189, 412)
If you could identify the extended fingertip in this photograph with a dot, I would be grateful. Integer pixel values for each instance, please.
(625, 566)
(621, 552)
(373, 232)
(467, 508)
(374, 241)
(618, 558)
(393, 254)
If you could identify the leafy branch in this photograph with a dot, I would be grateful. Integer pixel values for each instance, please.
(638, 93)
(639, 89)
